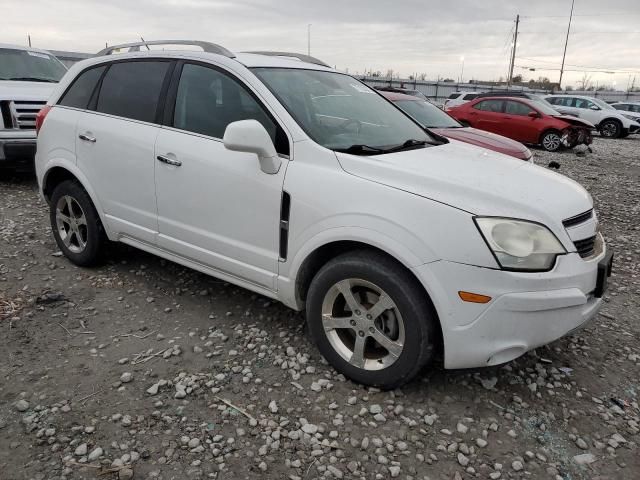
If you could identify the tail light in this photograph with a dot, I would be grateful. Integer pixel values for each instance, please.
(42, 114)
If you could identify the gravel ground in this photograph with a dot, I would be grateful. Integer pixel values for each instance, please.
(144, 369)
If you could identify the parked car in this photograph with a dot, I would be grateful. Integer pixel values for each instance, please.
(393, 240)
(609, 122)
(458, 98)
(524, 120)
(405, 91)
(631, 110)
(437, 121)
(27, 78)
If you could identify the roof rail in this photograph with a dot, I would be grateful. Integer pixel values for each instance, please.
(135, 46)
(300, 56)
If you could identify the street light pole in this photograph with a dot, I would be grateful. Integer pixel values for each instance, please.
(566, 41)
(462, 69)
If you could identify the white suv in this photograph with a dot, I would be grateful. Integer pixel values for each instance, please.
(459, 98)
(303, 184)
(27, 78)
(609, 121)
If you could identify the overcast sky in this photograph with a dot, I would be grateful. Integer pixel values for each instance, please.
(421, 36)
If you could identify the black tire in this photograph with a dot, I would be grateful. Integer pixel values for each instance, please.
(551, 141)
(93, 232)
(416, 311)
(611, 128)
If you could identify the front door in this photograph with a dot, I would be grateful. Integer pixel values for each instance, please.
(518, 125)
(216, 207)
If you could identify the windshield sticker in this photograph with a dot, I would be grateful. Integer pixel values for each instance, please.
(360, 88)
(38, 54)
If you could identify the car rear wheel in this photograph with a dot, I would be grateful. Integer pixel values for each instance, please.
(551, 141)
(76, 225)
(611, 129)
(370, 319)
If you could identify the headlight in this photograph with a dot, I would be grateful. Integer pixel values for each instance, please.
(519, 244)
(630, 117)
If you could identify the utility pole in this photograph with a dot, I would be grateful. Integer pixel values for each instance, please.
(565, 46)
(29, 38)
(513, 50)
(309, 39)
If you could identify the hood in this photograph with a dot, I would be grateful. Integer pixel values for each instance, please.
(489, 140)
(578, 122)
(37, 91)
(476, 180)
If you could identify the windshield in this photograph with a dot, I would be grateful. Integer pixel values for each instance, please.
(427, 115)
(544, 107)
(29, 66)
(602, 104)
(341, 113)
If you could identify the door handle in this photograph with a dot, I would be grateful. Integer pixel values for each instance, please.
(87, 138)
(169, 161)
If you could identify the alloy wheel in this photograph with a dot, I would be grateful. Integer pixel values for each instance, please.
(71, 223)
(363, 324)
(610, 129)
(551, 142)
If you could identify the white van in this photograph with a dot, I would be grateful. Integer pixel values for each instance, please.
(279, 174)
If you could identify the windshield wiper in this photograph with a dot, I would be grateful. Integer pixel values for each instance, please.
(32, 79)
(411, 143)
(361, 150)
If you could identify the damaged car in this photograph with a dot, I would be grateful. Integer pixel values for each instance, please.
(525, 120)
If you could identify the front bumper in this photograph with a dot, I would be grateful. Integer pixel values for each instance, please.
(18, 152)
(527, 310)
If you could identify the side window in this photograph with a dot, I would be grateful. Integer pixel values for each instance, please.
(208, 100)
(554, 100)
(622, 106)
(453, 96)
(634, 108)
(517, 108)
(489, 106)
(581, 103)
(132, 89)
(470, 96)
(80, 91)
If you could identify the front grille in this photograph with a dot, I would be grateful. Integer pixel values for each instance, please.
(585, 247)
(578, 219)
(23, 113)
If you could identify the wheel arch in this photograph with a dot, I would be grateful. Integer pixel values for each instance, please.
(59, 172)
(322, 254)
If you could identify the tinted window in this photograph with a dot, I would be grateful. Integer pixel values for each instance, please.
(79, 93)
(489, 106)
(208, 100)
(470, 96)
(622, 106)
(453, 95)
(634, 108)
(517, 108)
(132, 89)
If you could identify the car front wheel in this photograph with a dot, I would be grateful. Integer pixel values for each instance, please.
(610, 129)
(370, 319)
(551, 141)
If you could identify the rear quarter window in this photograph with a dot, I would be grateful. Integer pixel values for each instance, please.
(453, 96)
(470, 96)
(132, 89)
(80, 91)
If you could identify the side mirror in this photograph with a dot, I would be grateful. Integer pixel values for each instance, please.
(534, 114)
(594, 107)
(251, 137)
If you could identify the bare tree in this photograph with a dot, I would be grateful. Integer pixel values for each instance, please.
(585, 82)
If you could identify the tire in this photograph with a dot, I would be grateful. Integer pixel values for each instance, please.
(611, 129)
(406, 324)
(551, 141)
(76, 225)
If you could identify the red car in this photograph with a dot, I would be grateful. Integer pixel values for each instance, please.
(431, 117)
(524, 120)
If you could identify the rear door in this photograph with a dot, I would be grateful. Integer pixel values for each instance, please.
(115, 144)
(488, 115)
(518, 124)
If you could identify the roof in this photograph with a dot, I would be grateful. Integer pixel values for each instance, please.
(396, 97)
(23, 47)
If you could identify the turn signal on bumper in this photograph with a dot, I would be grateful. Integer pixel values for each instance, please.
(473, 297)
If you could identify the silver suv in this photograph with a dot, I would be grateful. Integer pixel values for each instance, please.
(27, 78)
